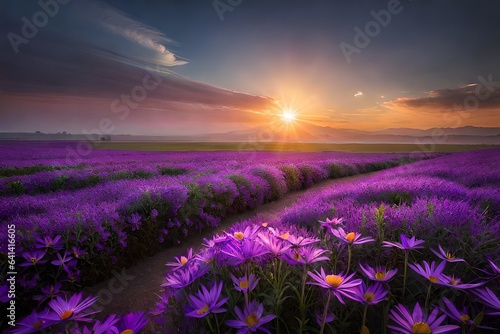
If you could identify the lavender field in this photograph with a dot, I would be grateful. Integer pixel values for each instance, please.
(411, 249)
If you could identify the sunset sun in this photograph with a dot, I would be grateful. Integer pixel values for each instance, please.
(288, 116)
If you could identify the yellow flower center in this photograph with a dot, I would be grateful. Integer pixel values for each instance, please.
(454, 281)
(251, 320)
(296, 256)
(421, 328)
(369, 296)
(433, 279)
(350, 236)
(264, 224)
(449, 256)
(243, 284)
(203, 310)
(184, 260)
(38, 324)
(285, 235)
(380, 275)
(334, 280)
(127, 331)
(465, 318)
(33, 259)
(239, 235)
(66, 314)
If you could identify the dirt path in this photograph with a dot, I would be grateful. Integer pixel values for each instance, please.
(136, 288)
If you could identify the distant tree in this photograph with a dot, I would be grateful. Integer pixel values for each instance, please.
(39, 132)
(106, 138)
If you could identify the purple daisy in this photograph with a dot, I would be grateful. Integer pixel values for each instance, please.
(418, 322)
(339, 284)
(304, 255)
(351, 238)
(379, 273)
(275, 245)
(72, 309)
(250, 319)
(456, 283)
(206, 302)
(33, 258)
(446, 255)
(181, 261)
(489, 299)
(406, 243)
(131, 323)
(430, 272)
(49, 243)
(245, 284)
(370, 295)
(33, 323)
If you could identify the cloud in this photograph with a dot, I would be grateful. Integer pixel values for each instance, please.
(358, 93)
(122, 24)
(483, 95)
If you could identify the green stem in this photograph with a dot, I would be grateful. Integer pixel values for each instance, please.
(364, 317)
(404, 275)
(210, 324)
(428, 295)
(302, 297)
(325, 312)
(348, 257)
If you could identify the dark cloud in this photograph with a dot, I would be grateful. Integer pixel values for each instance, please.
(484, 94)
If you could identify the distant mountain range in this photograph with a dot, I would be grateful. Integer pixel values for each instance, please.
(302, 132)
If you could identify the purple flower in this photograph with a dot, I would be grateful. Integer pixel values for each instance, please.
(275, 245)
(77, 252)
(135, 221)
(371, 295)
(456, 283)
(48, 292)
(431, 272)
(332, 224)
(249, 233)
(418, 322)
(293, 240)
(132, 323)
(406, 243)
(31, 324)
(72, 309)
(64, 260)
(489, 299)
(352, 238)
(447, 256)
(304, 255)
(250, 319)
(182, 261)
(340, 285)
(49, 243)
(154, 214)
(246, 250)
(33, 258)
(452, 312)
(496, 269)
(216, 240)
(245, 284)
(206, 302)
(181, 278)
(379, 273)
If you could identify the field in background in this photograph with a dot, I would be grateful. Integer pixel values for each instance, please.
(281, 146)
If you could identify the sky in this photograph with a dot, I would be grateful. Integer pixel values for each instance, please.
(185, 67)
